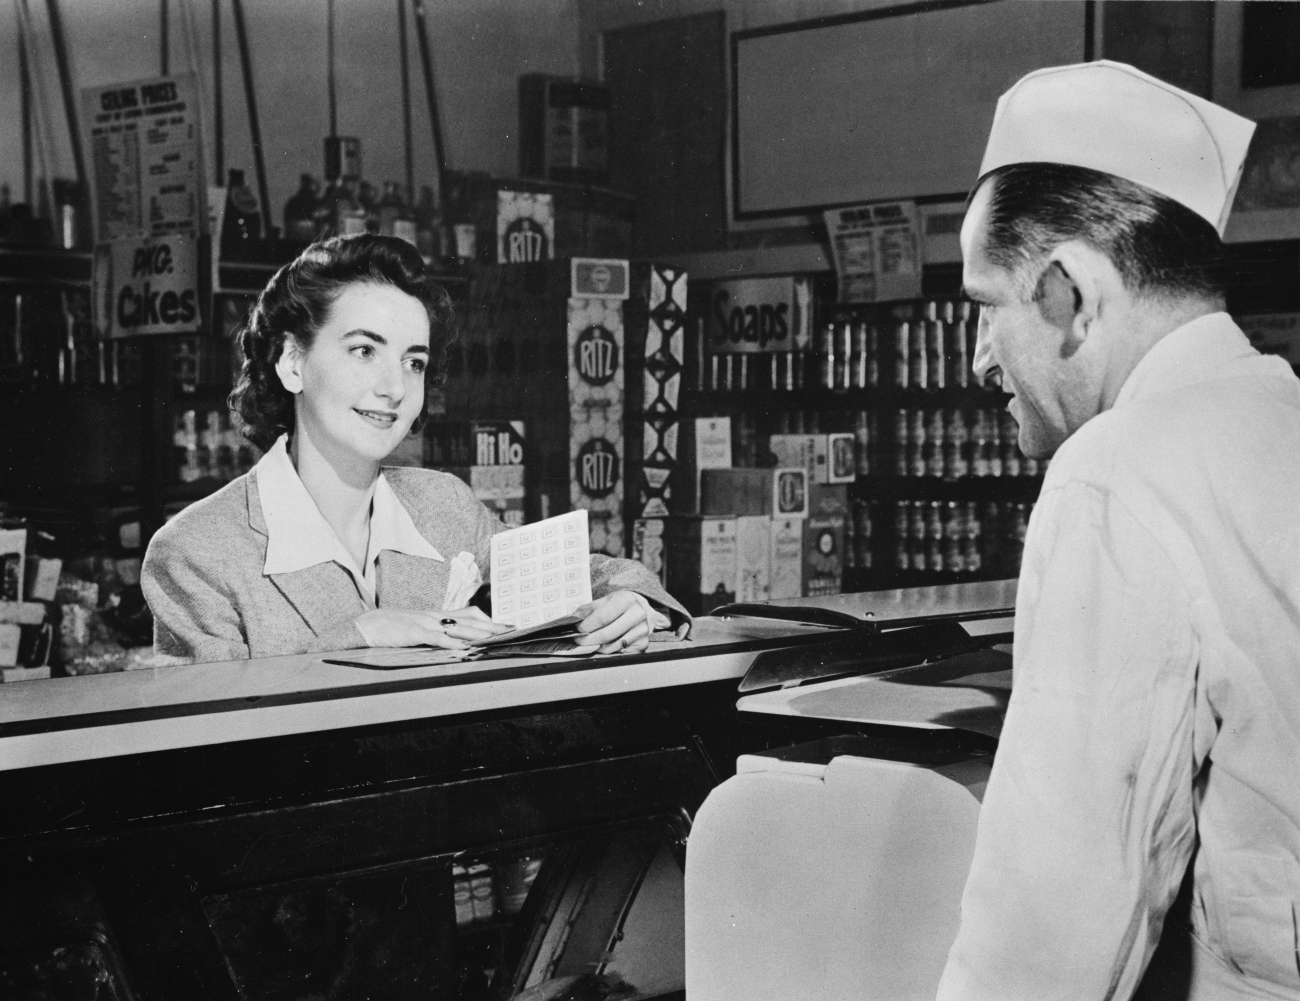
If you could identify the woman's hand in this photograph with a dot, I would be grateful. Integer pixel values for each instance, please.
(617, 623)
(408, 627)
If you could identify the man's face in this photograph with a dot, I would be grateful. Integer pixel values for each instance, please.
(1037, 359)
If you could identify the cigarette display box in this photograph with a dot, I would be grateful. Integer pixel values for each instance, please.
(703, 443)
(827, 457)
(701, 561)
(823, 539)
(773, 492)
(786, 574)
(753, 558)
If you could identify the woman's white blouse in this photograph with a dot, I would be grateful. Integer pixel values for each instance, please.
(300, 537)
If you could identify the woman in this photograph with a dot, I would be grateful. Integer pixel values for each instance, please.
(316, 549)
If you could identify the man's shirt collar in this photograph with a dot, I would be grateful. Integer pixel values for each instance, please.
(1195, 352)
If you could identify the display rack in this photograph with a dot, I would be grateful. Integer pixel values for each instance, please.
(932, 502)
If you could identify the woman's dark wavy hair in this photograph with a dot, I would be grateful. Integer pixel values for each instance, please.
(297, 302)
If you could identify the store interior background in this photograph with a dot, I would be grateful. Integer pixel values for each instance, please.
(480, 48)
(667, 66)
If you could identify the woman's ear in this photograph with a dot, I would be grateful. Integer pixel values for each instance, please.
(289, 365)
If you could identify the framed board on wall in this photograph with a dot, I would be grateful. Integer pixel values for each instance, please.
(889, 103)
(1257, 74)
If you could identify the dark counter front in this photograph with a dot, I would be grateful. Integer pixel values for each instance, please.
(477, 833)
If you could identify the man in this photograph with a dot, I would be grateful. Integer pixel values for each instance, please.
(1155, 720)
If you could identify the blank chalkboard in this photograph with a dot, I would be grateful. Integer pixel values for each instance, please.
(886, 104)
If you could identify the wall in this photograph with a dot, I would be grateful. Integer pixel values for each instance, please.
(598, 16)
(479, 49)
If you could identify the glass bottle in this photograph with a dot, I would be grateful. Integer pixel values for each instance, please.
(300, 211)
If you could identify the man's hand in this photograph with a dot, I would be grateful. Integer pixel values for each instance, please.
(407, 627)
(617, 623)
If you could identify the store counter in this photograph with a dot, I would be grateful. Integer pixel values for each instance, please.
(297, 827)
(167, 708)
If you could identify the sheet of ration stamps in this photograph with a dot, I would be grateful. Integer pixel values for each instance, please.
(541, 571)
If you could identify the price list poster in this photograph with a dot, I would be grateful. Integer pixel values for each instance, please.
(149, 200)
(144, 143)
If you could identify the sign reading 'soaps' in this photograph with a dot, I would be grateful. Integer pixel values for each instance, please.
(750, 315)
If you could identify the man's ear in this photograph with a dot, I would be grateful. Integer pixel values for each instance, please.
(1070, 291)
(289, 365)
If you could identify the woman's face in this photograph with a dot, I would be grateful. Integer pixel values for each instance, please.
(360, 385)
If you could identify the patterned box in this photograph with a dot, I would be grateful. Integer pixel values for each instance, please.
(595, 339)
(525, 227)
(664, 357)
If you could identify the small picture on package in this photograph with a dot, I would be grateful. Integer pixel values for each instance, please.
(525, 227)
(790, 493)
(842, 466)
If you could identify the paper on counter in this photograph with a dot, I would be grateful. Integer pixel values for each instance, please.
(541, 571)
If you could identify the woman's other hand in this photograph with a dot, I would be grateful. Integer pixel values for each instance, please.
(620, 622)
(408, 627)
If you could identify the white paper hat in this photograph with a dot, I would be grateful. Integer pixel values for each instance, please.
(1111, 117)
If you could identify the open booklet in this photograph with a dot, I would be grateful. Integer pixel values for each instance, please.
(540, 574)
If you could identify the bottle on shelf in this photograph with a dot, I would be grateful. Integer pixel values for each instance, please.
(863, 521)
(241, 227)
(349, 214)
(902, 535)
(862, 442)
(918, 535)
(843, 356)
(393, 214)
(428, 226)
(935, 356)
(956, 465)
(934, 537)
(902, 347)
(917, 376)
(902, 444)
(300, 211)
(956, 316)
(917, 455)
(826, 356)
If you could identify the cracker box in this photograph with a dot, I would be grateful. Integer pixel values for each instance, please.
(774, 492)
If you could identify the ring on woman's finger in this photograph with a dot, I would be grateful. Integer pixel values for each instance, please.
(446, 622)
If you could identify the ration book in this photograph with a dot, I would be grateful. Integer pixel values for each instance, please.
(541, 571)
